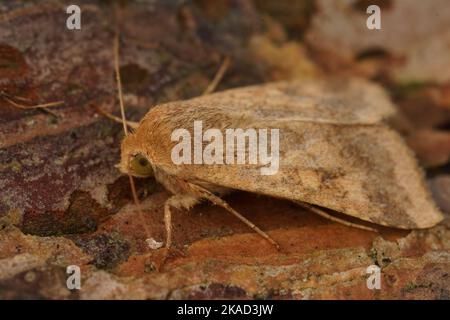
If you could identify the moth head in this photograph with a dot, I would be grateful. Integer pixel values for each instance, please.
(134, 159)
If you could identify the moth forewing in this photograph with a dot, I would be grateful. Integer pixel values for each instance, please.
(334, 151)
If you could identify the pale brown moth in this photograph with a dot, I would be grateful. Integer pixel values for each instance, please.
(336, 152)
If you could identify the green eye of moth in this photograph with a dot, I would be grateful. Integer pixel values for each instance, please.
(335, 152)
(140, 166)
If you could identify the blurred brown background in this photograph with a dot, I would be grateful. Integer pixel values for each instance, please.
(62, 202)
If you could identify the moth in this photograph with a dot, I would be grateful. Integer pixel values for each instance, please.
(335, 151)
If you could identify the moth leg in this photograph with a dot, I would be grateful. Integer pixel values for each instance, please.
(178, 201)
(131, 124)
(168, 225)
(330, 217)
(220, 202)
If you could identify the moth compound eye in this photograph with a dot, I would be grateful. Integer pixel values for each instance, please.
(141, 166)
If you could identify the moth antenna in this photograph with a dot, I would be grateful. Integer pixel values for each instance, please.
(218, 77)
(117, 69)
(122, 110)
(330, 217)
